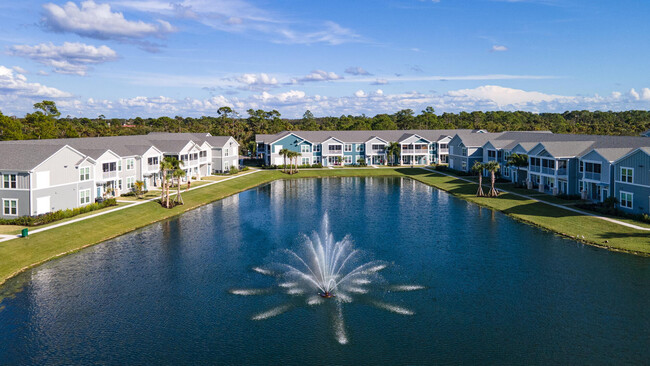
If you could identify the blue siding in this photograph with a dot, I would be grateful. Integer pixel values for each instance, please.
(639, 162)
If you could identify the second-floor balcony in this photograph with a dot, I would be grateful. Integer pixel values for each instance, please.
(333, 152)
(109, 174)
(591, 176)
(534, 168)
(415, 151)
(153, 167)
(203, 159)
(376, 151)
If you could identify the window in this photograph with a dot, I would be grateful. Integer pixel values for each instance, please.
(119, 165)
(348, 159)
(130, 182)
(360, 147)
(130, 164)
(317, 160)
(305, 161)
(627, 175)
(84, 197)
(491, 154)
(443, 146)
(582, 166)
(334, 148)
(626, 200)
(348, 147)
(226, 152)
(152, 161)
(377, 147)
(9, 181)
(464, 151)
(84, 173)
(10, 207)
(464, 165)
(305, 148)
(316, 148)
(109, 167)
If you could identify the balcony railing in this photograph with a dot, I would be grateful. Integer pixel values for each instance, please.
(562, 171)
(203, 159)
(550, 171)
(415, 151)
(109, 175)
(374, 152)
(534, 168)
(153, 167)
(592, 175)
(334, 152)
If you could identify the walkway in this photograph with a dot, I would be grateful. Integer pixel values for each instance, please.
(132, 204)
(549, 203)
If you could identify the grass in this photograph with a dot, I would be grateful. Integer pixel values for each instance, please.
(20, 254)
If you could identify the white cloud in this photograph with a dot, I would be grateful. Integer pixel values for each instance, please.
(645, 94)
(242, 17)
(356, 70)
(380, 82)
(319, 75)
(69, 58)
(499, 48)
(501, 96)
(14, 85)
(19, 70)
(98, 21)
(360, 94)
(257, 81)
(633, 94)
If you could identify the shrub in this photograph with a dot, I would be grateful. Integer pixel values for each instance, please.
(233, 170)
(133, 194)
(58, 215)
(245, 169)
(317, 165)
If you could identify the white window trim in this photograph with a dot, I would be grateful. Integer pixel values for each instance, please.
(620, 194)
(347, 147)
(347, 159)
(621, 175)
(3, 206)
(82, 196)
(82, 174)
(305, 149)
(130, 162)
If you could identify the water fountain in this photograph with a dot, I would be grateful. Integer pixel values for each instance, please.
(323, 270)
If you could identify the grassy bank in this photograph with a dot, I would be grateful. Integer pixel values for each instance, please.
(19, 254)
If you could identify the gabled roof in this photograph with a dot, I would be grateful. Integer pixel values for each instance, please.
(566, 149)
(25, 157)
(610, 154)
(318, 137)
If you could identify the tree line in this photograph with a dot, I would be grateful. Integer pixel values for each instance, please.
(46, 122)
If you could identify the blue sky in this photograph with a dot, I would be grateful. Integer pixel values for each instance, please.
(189, 57)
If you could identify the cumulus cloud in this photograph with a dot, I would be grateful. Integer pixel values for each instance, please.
(19, 70)
(293, 103)
(501, 96)
(356, 70)
(98, 21)
(498, 48)
(14, 85)
(69, 58)
(318, 75)
(260, 81)
(633, 94)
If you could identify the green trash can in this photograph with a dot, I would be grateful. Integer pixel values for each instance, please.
(25, 232)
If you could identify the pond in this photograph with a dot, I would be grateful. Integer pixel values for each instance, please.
(494, 290)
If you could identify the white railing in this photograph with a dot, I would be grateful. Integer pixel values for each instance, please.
(109, 175)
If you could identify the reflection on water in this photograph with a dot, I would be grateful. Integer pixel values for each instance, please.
(496, 291)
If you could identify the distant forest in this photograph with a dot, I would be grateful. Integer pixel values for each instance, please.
(46, 123)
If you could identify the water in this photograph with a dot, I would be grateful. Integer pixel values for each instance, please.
(489, 290)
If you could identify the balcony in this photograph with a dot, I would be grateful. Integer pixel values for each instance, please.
(534, 168)
(591, 176)
(153, 167)
(546, 170)
(109, 175)
(415, 151)
(377, 152)
(334, 152)
(203, 159)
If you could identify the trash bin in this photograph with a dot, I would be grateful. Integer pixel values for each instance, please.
(25, 232)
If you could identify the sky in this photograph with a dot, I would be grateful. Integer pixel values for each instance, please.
(152, 58)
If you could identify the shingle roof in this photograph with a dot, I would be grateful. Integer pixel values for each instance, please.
(25, 157)
(362, 136)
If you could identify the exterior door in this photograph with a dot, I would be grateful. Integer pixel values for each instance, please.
(43, 205)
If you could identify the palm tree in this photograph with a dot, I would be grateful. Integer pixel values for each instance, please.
(179, 173)
(492, 167)
(165, 166)
(285, 153)
(393, 151)
(138, 186)
(478, 168)
(296, 155)
(519, 161)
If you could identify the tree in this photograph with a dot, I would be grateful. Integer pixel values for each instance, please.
(519, 161)
(492, 167)
(179, 173)
(138, 188)
(166, 165)
(296, 155)
(393, 152)
(10, 128)
(339, 160)
(43, 121)
(478, 168)
(285, 154)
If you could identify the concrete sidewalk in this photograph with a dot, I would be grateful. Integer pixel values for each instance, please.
(632, 226)
(132, 204)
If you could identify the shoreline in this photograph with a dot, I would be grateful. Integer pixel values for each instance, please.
(44, 246)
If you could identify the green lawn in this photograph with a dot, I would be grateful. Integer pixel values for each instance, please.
(19, 254)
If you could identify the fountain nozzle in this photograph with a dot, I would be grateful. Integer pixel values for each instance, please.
(326, 294)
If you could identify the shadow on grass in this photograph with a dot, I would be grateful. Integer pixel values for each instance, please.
(613, 235)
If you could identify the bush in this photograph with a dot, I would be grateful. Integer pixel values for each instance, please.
(233, 170)
(58, 215)
(245, 169)
(317, 165)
